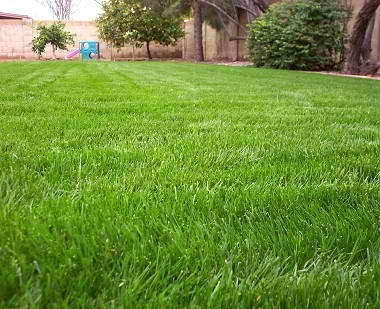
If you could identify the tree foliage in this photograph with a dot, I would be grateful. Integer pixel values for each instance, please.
(303, 35)
(53, 34)
(129, 22)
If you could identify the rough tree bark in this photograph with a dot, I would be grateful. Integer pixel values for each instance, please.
(198, 35)
(355, 62)
(54, 54)
(148, 50)
(367, 44)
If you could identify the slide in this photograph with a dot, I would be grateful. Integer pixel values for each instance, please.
(72, 54)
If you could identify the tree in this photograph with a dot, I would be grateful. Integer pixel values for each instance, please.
(55, 35)
(182, 8)
(196, 5)
(358, 61)
(125, 23)
(217, 13)
(61, 9)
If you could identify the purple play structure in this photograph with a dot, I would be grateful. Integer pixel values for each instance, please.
(72, 54)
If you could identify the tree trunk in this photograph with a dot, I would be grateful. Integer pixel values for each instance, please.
(354, 61)
(367, 44)
(198, 35)
(54, 56)
(148, 50)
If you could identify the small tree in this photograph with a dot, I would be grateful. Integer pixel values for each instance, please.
(125, 23)
(53, 34)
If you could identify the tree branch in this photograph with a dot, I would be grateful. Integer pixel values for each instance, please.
(246, 9)
(223, 12)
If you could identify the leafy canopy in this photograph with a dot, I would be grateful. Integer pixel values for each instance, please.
(54, 35)
(301, 35)
(125, 23)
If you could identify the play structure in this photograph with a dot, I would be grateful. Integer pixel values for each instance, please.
(88, 49)
(72, 54)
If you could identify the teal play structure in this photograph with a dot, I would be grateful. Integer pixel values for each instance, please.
(89, 50)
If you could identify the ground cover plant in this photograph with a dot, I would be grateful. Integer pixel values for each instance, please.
(182, 185)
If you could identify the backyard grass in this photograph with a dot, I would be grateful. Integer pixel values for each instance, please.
(173, 185)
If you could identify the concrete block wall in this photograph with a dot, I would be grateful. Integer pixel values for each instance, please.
(87, 30)
(16, 37)
(216, 44)
(16, 40)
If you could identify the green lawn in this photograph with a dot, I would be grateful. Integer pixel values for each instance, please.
(173, 185)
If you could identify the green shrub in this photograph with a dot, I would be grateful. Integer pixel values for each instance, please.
(53, 34)
(300, 35)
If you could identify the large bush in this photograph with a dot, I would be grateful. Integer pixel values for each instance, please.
(300, 35)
